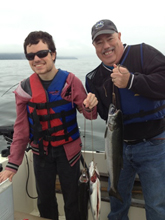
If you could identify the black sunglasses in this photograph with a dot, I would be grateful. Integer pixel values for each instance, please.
(40, 54)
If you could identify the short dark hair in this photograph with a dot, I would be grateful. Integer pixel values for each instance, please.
(35, 36)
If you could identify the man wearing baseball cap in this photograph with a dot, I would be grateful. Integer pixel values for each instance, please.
(136, 75)
(103, 27)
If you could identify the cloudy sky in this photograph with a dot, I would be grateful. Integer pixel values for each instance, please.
(70, 22)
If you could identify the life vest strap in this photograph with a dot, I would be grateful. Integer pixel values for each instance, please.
(52, 116)
(50, 131)
(60, 137)
(64, 123)
(143, 113)
(48, 105)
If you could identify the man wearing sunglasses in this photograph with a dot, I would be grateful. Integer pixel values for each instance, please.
(135, 76)
(46, 105)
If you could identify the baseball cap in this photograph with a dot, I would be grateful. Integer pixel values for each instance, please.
(103, 27)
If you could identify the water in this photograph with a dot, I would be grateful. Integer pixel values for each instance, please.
(13, 71)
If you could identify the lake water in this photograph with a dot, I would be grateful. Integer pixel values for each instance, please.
(13, 71)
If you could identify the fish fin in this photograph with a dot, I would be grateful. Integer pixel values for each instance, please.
(115, 194)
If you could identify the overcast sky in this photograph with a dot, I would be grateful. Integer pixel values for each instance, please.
(70, 22)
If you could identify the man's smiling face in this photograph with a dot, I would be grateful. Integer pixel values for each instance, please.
(109, 48)
(44, 65)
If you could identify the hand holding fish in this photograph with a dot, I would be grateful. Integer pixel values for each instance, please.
(90, 101)
(120, 76)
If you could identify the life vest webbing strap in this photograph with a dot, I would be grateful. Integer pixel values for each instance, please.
(50, 131)
(52, 116)
(61, 137)
(143, 113)
(64, 124)
(48, 105)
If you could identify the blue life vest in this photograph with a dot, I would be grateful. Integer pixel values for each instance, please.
(137, 108)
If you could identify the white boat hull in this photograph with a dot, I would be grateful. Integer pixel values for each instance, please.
(22, 203)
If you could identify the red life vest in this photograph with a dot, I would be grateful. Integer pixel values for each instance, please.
(52, 119)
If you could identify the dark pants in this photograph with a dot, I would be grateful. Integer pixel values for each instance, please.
(57, 163)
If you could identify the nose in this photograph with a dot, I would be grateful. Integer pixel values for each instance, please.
(36, 58)
(106, 44)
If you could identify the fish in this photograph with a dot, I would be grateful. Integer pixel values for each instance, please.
(94, 190)
(83, 195)
(114, 148)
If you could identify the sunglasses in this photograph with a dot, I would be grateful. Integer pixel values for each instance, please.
(40, 54)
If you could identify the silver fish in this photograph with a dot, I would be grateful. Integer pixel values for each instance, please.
(95, 193)
(114, 148)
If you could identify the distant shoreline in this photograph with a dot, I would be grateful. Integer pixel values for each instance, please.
(21, 56)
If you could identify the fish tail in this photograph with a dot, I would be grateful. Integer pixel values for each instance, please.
(115, 194)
